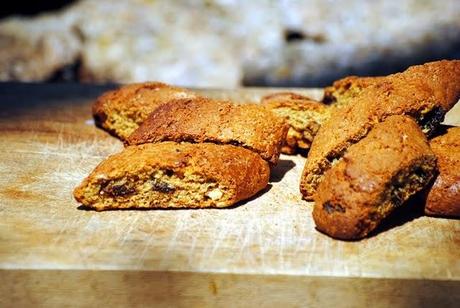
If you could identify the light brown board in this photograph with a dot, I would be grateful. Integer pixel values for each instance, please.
(48, 144)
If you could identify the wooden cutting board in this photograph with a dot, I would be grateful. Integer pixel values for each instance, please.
(263, 252)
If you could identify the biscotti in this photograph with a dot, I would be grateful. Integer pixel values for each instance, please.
(303, 115)
(172, 175)
(425, 92)
(343, 91)
(375, 176)
(121, 111)
(444, 196)
(204, 120)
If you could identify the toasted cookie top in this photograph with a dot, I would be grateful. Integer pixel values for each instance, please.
(138, 96)
(293, 101)
(206, 120)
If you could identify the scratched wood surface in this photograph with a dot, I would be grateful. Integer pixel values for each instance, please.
(48, 144)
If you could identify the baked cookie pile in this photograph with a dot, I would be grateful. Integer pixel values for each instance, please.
(367, 142)
(372, 154)
(182, 150)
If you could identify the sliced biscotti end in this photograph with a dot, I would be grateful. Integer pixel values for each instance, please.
(375, 176)
(303, 115)
(343, 91)
(205, 120)
(172, 175)
(330, 144)
(444, 196)
(121, 111)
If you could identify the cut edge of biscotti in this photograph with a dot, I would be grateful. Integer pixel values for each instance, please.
(122, 110)
(118, 123)
(119, 183)
(403, 185)
(303, 115)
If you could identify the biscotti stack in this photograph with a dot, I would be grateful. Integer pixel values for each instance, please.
(372, 153)
(182, 150)
(372, 144)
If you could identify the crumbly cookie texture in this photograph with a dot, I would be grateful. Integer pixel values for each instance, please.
(121, 111)
(303, 115)
(343, 91)
(204, 120)
(425, 92)
(444, 196)
(375, 176)
(172, 175)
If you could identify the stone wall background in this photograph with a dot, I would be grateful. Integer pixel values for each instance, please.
(225, 43)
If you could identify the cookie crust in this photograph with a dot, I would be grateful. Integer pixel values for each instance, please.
(205, 120)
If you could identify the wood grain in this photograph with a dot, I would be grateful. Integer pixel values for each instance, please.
(58, 288)
(48, 144)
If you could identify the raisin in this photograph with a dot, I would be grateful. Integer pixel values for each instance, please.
(396, 198)
(421, 175)
(330, 207)
(431, 120)
(120, 190)
(329, 99)
(163, 187)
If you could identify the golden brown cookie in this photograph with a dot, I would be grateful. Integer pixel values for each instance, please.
(121, 111)
(345, 90)
(444, 196)
(204, 120)
(375, 176)
(425, 92)
(172, 175)
(303, 115)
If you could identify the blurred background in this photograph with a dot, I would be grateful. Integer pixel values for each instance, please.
(222, 43)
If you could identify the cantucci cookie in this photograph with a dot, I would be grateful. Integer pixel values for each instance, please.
(173, 175)
(375, 176)
(121, 111)
(425, 92)
(205, 120)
